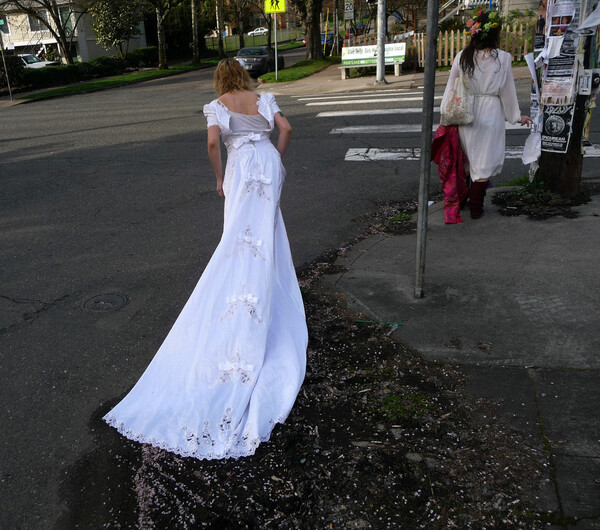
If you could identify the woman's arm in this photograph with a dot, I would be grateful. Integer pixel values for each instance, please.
(214, 155)
(285, 132)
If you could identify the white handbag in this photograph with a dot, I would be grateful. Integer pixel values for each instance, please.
(458, 109)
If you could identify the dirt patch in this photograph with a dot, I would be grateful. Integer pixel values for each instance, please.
(538, 204)
(378, 438)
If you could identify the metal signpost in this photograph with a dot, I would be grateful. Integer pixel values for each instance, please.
(426, 137)
(381, 31)
(274, 7)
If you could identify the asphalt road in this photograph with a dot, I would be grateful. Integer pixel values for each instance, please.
(112, 192)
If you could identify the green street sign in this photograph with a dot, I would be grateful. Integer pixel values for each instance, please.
(1, 22)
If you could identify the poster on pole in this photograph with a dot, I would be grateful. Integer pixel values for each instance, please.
(274, 6)
(556, 131)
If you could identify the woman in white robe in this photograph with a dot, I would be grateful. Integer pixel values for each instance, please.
(495, 101)
(232, 365)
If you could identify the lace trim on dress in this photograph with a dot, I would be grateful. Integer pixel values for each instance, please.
(243, 301)
(199, 447)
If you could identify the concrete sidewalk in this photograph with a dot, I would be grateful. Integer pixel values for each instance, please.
(329, 80)
(515, 302)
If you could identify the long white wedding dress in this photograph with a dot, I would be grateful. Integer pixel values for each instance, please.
(232, 365)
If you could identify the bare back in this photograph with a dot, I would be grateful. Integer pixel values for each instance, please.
(241, 101)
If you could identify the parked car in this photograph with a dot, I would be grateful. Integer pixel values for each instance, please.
(31, 61)
(259, 60)
(257, 32)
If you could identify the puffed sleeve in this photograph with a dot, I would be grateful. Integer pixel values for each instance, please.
(508, 94)
(274, 107)
(211, 115)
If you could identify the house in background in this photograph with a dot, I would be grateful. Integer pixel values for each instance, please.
(25, 34)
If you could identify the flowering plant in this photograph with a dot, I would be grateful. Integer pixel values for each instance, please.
(474, 25)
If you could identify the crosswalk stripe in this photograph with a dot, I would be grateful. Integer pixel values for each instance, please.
(372, 112)
(354, 96)
(361, 92)
(371, 154)
(359, 101)
(401, 128)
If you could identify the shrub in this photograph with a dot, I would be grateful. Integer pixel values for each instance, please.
(106, 66)
(147, 56)
(16, 71)
(73, 73)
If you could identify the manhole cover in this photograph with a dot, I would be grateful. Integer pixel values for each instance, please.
(105, 302)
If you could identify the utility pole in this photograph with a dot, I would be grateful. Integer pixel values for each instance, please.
(381, 35)
(561, 172)
(426, 137)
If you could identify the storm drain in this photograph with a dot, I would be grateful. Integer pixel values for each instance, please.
(102, 303)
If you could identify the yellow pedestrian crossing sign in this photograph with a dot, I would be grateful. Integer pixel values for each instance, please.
(274, 6)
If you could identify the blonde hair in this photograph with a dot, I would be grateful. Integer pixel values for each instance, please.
(230, 76)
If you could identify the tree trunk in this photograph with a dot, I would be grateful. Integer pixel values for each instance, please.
(162, 55)
(64, 48)
(240, 14)
(195, 37)
(314, 49)
(219, 9)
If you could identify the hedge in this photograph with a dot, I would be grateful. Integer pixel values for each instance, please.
(16, 71)
(66, 74)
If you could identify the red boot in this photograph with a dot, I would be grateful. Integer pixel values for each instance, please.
(476, 196)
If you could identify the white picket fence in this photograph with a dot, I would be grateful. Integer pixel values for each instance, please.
(516, 40)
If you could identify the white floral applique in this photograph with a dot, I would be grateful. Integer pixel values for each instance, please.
(236, 368)
(258, 182)
(225, 425)
(205, 440)
(245, 241)
(244, 301)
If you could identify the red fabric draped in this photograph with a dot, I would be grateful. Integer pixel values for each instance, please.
(447, 153)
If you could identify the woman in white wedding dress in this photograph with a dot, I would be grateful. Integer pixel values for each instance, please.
(232, 365)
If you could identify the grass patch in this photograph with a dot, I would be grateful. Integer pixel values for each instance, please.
(300, 70)
(290, 46)
(400, 218)
(407, 407)
(519, 181)
(117, 81)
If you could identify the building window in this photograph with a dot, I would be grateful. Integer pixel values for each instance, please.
(36, 24)
(4, 25)
(67, 20)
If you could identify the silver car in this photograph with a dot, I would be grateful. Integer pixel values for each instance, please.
(259, 60)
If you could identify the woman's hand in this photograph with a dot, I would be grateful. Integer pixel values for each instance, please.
(526, 120)
(220, 187)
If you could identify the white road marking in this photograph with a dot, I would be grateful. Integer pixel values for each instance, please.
(354, 96)
(400, 128)
(360, 101)
(372, 112)
(372, 154)
(363, 92)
